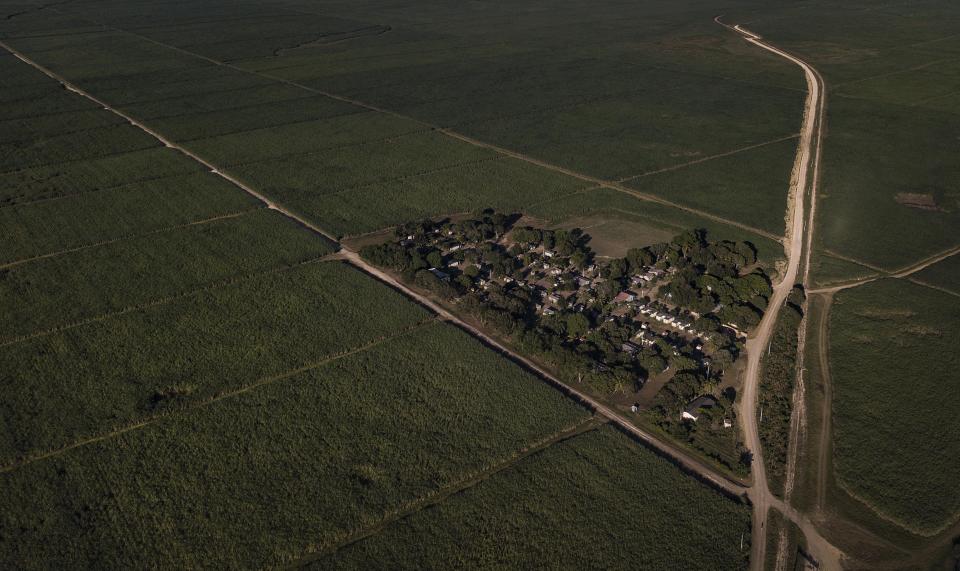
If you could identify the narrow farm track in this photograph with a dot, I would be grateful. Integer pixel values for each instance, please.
(805, 169)
(435, 497)
(901, 273)
(680, 457)
(21, 261)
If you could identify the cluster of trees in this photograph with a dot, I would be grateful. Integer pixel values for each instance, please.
(584, 344)
(707, 279)
(777, 380)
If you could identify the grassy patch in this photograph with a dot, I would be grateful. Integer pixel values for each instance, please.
(617, 205)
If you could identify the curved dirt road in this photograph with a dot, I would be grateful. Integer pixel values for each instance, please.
(807, 156)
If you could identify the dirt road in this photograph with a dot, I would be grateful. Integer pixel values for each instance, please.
(807, 157)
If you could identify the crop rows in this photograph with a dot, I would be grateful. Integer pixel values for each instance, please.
(320, 453)
(642, 512)
(60, 290)
(137, 209)
(80, 382)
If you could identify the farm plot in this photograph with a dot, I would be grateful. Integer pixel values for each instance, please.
(66, 179)
(889, 182)
(643, 514)
(618, 205)
(62, 123)
(85, 57)
(252, 118)
(625, 136)
(83, 145)
(298, 177)
(215, 100)
(311, 136)
(263, 477)
(108, 374)
(87, 220)
(505, 184)
(896, 446)
(63, 290)
(750, 186)
(944, 274)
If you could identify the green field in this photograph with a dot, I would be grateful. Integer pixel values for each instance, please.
(895, 445)
(269, 404)
(264, 476)
(643, 514)
(61, 290)
(944, 274)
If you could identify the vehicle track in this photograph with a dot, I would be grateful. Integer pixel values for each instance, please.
(807, 163)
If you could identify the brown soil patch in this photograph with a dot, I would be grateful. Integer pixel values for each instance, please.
(923, 201)
(886, 313)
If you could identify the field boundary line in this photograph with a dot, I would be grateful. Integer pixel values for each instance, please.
(125, 237)
(611, 185)
(437, 496)
(113, 187)
(24, 461)
(709, 158)
(167, 142)
(892, 73)
(312, 152)
(185, 141)
(904, 272)
(84, 159)
(456, 135)
(160, 301)
(932, 286)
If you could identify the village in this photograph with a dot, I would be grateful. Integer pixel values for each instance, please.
(675, 312)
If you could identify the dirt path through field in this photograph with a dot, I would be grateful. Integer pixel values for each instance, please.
(807, 163)
(901, 273)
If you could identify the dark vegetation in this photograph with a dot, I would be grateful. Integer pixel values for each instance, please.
(545, 290)
(778, 376)
(668, 309)
(653, 517)
(265, 476)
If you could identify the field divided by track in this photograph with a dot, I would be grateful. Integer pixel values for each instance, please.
(61, 290)
(895, 441)
(889, 159)
(643, 514)
(322, 452)
(611, 109)
(84, 381)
